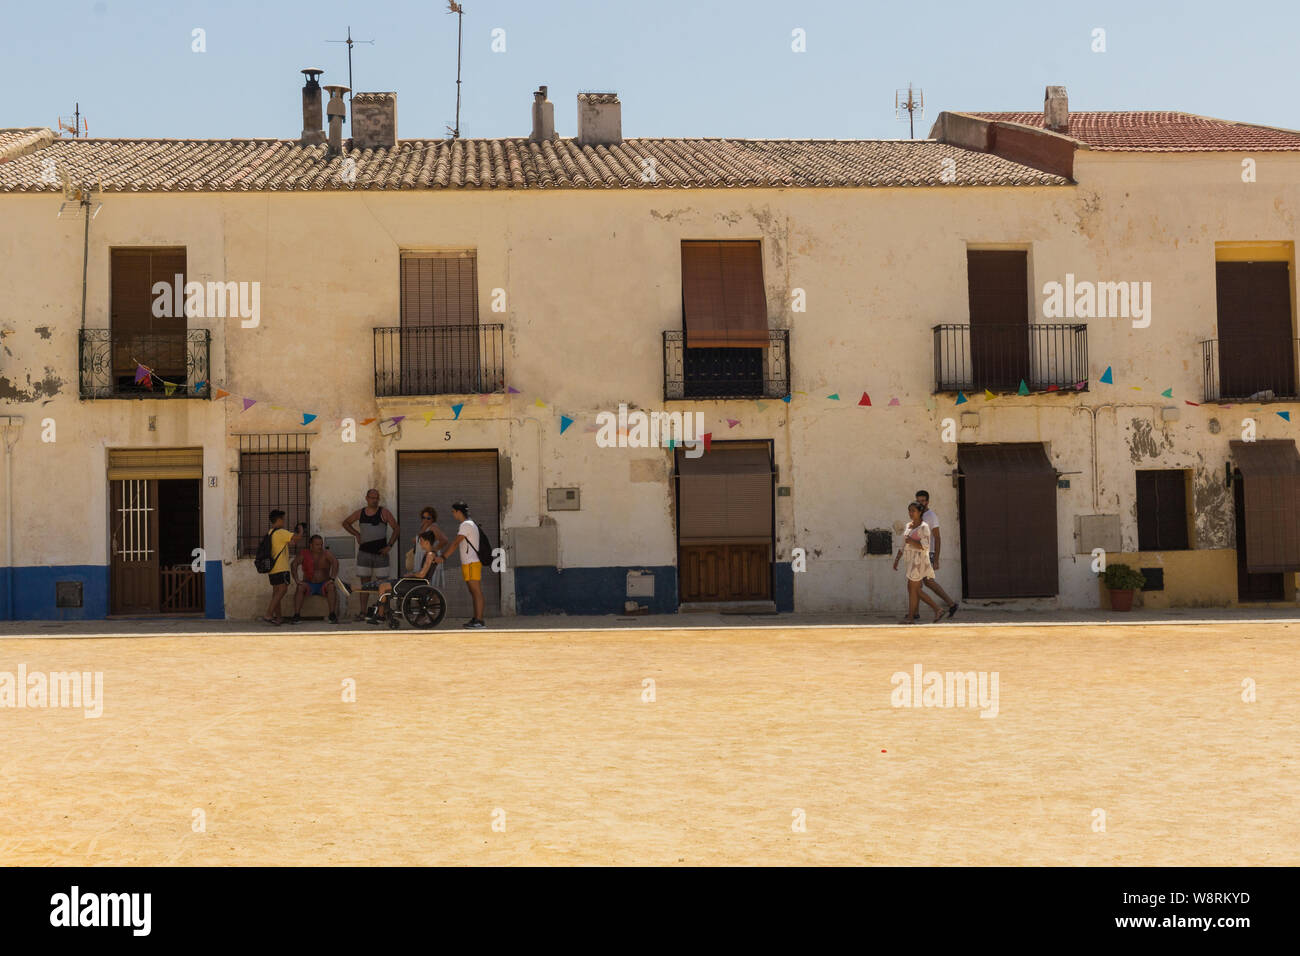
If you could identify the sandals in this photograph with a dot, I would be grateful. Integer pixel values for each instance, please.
(270, 620)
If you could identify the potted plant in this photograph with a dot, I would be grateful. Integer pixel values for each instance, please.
(1121, 581)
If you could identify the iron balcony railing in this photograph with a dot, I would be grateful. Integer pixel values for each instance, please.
(715, 373)
(1250, 368)
(999, 357)
(440, 360)
(177, 363)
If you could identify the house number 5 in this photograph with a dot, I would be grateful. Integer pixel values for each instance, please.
(446, 436)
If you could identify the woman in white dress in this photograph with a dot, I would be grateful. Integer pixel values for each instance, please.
(916, 550)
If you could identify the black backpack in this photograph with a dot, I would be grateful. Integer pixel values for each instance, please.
(262, 560)
(484, 545)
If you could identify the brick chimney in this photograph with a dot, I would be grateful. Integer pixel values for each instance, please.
(374, 120)
(600, 119)
(312, 135)
(1056, 109)
(337, 111)
(543, 117)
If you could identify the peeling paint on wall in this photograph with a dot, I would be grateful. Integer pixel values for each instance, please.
(47, 387)
(1215, 521)
(1143, 442)
(43, 331)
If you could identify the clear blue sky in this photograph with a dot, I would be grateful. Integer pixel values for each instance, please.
(721, 68)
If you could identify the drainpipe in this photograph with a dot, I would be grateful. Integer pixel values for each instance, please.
(85, 255)
(12, 432)
(1093, 410)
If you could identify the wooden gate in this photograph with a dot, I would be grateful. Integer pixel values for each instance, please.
(133, 546)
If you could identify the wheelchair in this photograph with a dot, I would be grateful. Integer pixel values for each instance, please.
(420, 603)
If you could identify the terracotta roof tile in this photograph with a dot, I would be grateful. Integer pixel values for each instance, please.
(1161, 131)
(164, 165)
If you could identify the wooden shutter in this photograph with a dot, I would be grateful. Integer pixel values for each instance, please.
(1162, 510)
(998, 292)
(439, 478)
(724, 303)
(439, 318)
(1008, 521)
(138, 336)
(161, 463)
(1270, 471)
(1256, 351)
(725, 495)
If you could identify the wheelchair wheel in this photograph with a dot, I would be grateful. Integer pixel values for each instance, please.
(424, 607)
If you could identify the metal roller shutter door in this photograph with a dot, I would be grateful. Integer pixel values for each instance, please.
(134, 463)
(1008, 521)
(439, 478)
(1271, 476)
(725, 495)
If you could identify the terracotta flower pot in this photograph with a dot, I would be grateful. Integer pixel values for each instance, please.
(1121, 600)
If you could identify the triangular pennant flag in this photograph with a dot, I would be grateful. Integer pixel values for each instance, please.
(787, 398)
(169, 388)
(1169, 392)
(222, 393)
(1193, 404)
(834, 396)
(894, 401)
(565, 422)
(307, 419)
(141, 373)
(539, 403)
(733, 422)
(456, 409)
(1106, 377)
(672, 443)
(428, 417)
(1023, 389)
(797, 392)
(865, 399)
(397, 418)
(961, 399)
(1079, 386)
(367, 421)
(198, 386)
(1285, 416)
(1053, 388)
(988, 396)
(1136, 388)
(511, 390)
(249, 403)
(708, 440)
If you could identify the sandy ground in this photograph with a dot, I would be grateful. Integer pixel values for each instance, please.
(1144, 722)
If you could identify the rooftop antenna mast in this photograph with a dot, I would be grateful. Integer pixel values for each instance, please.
(459, 10)
(912, 103)
(350, 42)
(78, 124)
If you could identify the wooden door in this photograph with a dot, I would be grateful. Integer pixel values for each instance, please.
(1267, 586)
(998, 288)
(133, 546)
(1256, 344)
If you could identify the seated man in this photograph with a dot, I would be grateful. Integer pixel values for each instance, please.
(392, 591)
(319, 569)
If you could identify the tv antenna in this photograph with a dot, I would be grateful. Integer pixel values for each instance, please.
(78, 125)
(78, 200)
(350, 42)
(459, 10)
(910, 102)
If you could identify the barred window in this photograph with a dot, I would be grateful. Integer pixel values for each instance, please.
(274, 473)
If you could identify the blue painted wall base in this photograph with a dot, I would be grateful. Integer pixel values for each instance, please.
(549, 590)
(33, 593)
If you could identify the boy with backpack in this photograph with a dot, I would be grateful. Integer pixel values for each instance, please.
(272, 558)
(473, 544)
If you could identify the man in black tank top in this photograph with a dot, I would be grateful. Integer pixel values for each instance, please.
(374, 543)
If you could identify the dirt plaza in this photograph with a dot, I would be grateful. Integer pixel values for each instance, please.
(1109, 744)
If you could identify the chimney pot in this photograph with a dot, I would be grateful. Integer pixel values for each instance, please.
(336, 110)
(1056, 109)
(312, 135)
(543, 117)
(600, 119)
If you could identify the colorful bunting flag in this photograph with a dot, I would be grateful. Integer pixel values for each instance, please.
(988, 396)
(865, 399)
(141, 373)
(733, 422)
(222, 393)
(168, 388)
(787, 398)
(565, 422)
(1106, 377)
(455, 409)
(834, 396)
(1136, 388)
(1169, 392)
(1285, 416)
(367, 421)
(894, 401)
(961, 399)
(1023, 389)
(1193, 404)
(249, 403)
(1053, 388)
(428, 417)
(307, 419)
(198, 386)
(539, 403)
(708, 440)
(397, 419)
(1079, 386)
(511, 390)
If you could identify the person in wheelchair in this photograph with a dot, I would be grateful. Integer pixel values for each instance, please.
(392, 592)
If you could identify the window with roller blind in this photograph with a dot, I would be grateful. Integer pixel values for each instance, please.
(439, 337)
(724, 304)
(138, 336)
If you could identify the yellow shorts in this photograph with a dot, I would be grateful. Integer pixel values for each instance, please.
(472, 571)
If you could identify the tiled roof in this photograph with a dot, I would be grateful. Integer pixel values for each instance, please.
(163, 165)
(1161, 132)
(15, 142)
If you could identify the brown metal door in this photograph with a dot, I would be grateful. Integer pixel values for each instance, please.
(1008, 521)
(1256, 350)
(133, 546)
(998, 288)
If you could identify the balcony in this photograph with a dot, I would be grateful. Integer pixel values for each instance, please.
(179, 361)
(999, 357)
(1249, 368)
(440, 360)
(726, 372)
